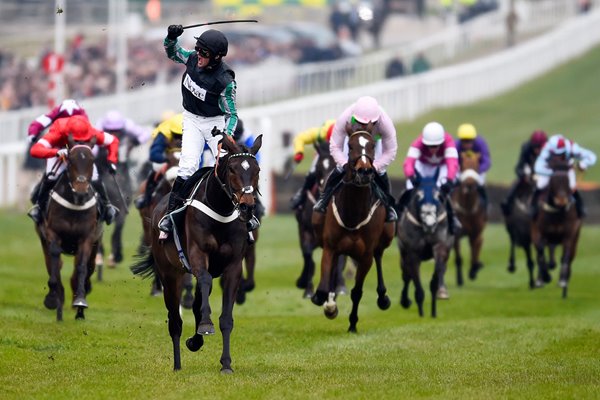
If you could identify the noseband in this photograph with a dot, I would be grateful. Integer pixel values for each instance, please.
(367, 156)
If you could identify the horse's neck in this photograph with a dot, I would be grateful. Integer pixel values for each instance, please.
(215, 196)
(353, 202)
(468, 199)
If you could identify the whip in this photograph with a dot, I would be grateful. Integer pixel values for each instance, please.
(233, 21)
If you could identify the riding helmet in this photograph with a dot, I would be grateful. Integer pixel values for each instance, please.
(538, 138)
(214, 41)
(366, 110)
(114, 121)
(80, 128)
(433, 134)
(467, 132)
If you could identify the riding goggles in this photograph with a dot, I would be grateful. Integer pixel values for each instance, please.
(204, 53)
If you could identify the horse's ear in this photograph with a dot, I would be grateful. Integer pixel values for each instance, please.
(70, 140)
(349, 129)
(256, 145)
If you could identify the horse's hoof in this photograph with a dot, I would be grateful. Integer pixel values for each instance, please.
(547, 278)
(118, 258)
(442, 293)
(319, 298)
(301, 283)
(405, 302)
(331, 312)
(249, 286)
(99, 260)
(562, 283)
(50, 302)
(383, 302)
(241, 297)
(539, 283)
(80, 314)
(226, 371)
(308, 293)
(341, 290)
(511, 269)
(474, 270)
(111, 262)
(80, 302)
(206, 329)
(194, 343)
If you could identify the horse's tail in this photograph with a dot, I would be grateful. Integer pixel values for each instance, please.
(144, 264)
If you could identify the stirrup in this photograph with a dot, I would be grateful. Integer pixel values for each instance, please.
(35, 214)
(391, 215)
(253, 224)
(110, 214)
(165, 224)
(320, 207)
(140, 202)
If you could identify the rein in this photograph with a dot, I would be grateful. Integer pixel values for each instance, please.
(227, 189)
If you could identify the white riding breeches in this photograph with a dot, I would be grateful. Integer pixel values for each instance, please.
(428, 170)
(543, 180)
(53, 173)
(196, 132)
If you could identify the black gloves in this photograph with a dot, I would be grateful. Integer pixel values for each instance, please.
(174, 31)
(446, 187)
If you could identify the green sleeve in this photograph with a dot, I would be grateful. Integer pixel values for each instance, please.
(175, 52)
(227, 105)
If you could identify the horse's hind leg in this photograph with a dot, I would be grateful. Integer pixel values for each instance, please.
(383, 301)
(188, 287)
(543, 274)
(54, 283)
(405, 301)
(530, 265)
(116, 255)
(172, 295)
(340, 283)
(511, 258)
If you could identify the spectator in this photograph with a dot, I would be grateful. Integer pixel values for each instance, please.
(420, 64)
(395, 68)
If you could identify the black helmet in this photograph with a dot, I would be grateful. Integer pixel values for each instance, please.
(239, 130)
(213, 41)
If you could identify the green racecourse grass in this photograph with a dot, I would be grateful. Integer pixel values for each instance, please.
(493, 339)
(566, 100)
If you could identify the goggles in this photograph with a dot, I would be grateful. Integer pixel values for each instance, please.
(204, 53)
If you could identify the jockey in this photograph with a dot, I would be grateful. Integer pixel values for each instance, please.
(208, 88)
(52, 146)
(116, 124)
(434, 149)
(166, 140)
(364, 111)
(569, 150)
(468, 140)
(67, 108)
(317, 135)
(530, 150)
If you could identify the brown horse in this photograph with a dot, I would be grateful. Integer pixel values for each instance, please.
(471, 213)
(556, 223)
(213, 242)
(306, 233)
(71, 227)
(354, 225)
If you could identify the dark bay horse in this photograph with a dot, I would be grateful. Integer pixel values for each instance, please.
(354, 225)
(556, 224)
(213, 243)
(71, 227)
(120, 191)
(306, 233)
(518, 225)
(471, 213)
(422, 235)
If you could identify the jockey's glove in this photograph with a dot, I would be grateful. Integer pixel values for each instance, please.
(298, 157)
(62, 153)
(446, 187)
(174, 31)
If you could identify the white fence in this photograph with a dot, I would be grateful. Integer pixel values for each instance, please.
(403, 98)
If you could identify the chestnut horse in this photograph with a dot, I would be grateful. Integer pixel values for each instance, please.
(71, 226)
(354, 225)
(306, 233)
(422, 235)
(471, 213)
(556, 223)
(213, 242)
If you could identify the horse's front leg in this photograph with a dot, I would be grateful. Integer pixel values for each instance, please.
(530, 265)
(172, 287)
(322, 293)
(201, 306)
(543, 274)
(511, 258)
(54, 283)
(383, 301)
(362, 268)
(476, 241)
(80, 273)
(405, 301)
(458, 261)
(440, 254)
(116, 245)
(232, 277)
(569, 251)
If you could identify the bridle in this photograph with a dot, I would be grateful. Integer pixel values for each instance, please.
(80, 178)
(354, 160)
(234, 197)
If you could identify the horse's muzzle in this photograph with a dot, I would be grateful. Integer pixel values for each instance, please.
(246, 211)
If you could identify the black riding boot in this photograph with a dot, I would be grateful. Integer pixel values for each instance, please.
(534, 203)
(579, 204)
(507, 204)
(403, 200)
(484, 197)
(39, 197)
(453, 223)
(383, 182)
(144, 200)
(109, 211)
(300, 196)
(333, 180)
(175, 201)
